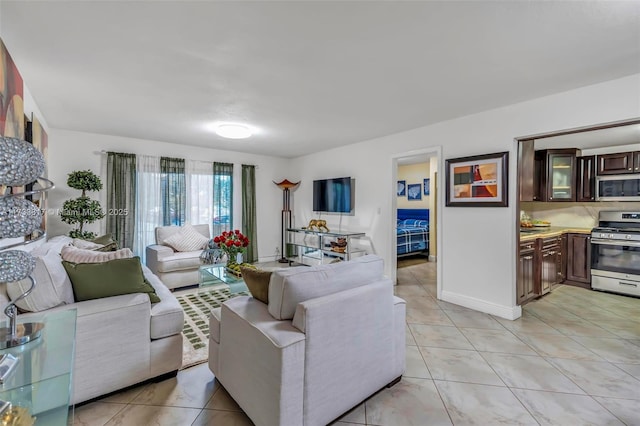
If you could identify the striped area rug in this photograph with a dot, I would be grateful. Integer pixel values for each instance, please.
(197, 308)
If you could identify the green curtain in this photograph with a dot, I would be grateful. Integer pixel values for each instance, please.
(222, 197)
(121, 197)
(174, 191)
(249, 223)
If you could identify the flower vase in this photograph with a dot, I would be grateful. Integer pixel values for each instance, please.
(239, 259)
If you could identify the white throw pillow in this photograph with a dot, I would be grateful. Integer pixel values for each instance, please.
(187, 239)
(86, 245)
(54, 244)
(53, 286)
(76, 255)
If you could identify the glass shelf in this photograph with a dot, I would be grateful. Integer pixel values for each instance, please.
(41, 382)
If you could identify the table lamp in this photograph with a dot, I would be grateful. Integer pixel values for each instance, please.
(20, 164)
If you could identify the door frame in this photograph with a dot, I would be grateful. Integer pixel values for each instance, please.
(434, 151)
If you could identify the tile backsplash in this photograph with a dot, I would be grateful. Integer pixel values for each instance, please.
(578, 215)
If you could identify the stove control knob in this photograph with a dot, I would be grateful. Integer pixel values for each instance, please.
(603, 235)
(628, 237)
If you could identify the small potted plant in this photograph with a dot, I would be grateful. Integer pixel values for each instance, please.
(82, 210)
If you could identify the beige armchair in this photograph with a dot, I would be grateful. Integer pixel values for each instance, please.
(175, 269)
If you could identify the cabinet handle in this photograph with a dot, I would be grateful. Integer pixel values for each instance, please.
(630, 168)
(528, 257)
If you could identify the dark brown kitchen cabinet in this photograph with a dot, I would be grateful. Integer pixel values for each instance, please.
(527, 183)
(562, 259)
(578, 259)
(555, 172)
(586, 178)
(619, 163)
(550, 263)
(526, 284)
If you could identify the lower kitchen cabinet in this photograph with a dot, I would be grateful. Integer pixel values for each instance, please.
(540, 267)
(526, 284)
(579, 259)
(550, 263)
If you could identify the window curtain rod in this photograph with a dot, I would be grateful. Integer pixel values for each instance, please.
(106, 152)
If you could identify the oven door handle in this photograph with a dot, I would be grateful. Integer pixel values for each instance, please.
(616, 243)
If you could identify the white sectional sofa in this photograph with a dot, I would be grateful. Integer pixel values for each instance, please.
(329, 338)
(120, 340)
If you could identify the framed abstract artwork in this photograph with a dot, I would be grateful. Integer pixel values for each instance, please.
(426, 186)
(402, 188)
(478, 181)
(414, 191)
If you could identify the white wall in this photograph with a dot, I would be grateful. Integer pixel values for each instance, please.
(478, 245)
(69, 151)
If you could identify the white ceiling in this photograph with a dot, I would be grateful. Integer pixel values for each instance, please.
(309, 75)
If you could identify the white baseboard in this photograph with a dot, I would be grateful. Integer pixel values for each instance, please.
(433, 258)
(506, 312)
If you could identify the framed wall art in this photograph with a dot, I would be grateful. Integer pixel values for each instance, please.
(414, 191)
(402, 188)
(478, 181)
(425, 185)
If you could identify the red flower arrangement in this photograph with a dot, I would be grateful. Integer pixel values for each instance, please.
(232, 243)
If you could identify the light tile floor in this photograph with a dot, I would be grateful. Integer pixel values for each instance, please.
(572, 359)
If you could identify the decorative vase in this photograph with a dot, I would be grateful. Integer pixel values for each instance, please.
(239, 258)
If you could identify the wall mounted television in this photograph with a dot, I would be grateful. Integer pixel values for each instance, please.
(333, 195)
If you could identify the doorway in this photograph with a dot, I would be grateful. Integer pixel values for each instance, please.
(415, 218)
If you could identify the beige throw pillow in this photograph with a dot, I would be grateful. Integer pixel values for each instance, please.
(53, 286)
(187, 239)
(76, 255)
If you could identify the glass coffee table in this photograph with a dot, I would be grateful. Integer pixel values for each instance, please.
(216, 274)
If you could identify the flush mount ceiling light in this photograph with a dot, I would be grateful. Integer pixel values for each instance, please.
(233, 131)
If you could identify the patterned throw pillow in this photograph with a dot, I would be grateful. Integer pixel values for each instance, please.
(187, 239)
(76, 255)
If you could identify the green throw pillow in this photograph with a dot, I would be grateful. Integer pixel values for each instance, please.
(258, 282)
(112, 278)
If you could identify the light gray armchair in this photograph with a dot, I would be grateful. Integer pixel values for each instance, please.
(175, 269)
(330, 337)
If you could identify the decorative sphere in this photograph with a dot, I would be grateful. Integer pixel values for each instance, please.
(18, 217)
(20, 162)
(15, 265)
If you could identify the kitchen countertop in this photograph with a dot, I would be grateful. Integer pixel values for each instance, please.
(552, 231)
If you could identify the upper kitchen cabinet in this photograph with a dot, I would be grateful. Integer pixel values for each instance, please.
(586, 178)
(619, 163)
(526, 161)
(555, 170)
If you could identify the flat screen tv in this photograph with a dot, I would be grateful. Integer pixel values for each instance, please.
(332, 195)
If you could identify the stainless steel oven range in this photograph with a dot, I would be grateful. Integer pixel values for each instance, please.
(615, 253)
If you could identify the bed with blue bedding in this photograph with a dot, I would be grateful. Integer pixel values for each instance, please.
(413, 231)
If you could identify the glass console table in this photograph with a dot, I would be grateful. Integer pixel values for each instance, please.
(217, 274)
(41, 381)
(310, 247)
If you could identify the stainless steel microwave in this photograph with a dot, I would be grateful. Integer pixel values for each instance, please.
(618, 188)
